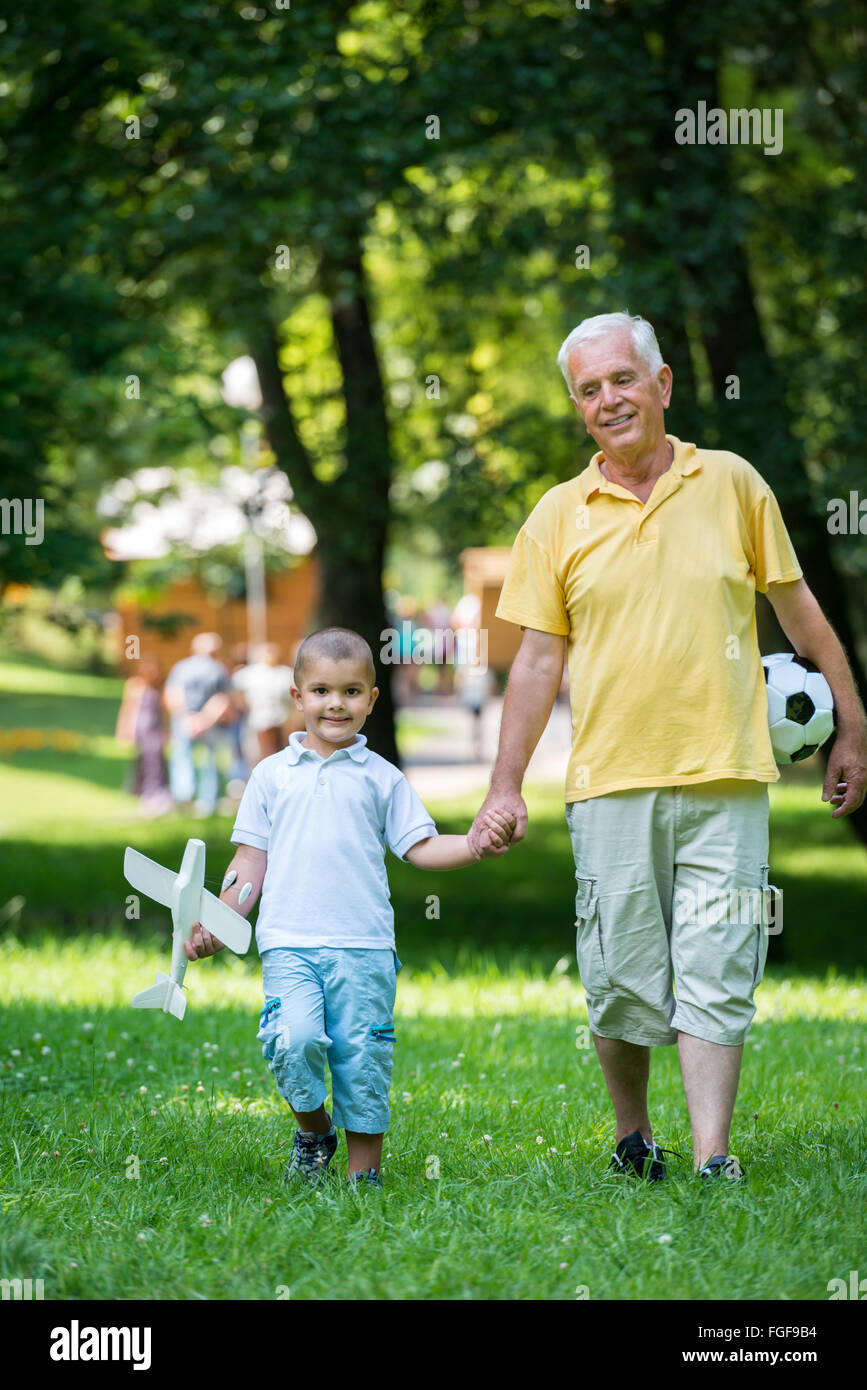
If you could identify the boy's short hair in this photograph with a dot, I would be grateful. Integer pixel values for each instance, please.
(335, 644)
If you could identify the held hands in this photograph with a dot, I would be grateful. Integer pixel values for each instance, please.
(508, 805)
(201, 943)
(494, 830)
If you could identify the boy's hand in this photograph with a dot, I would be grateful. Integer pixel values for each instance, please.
(496, 833)
(201, 943)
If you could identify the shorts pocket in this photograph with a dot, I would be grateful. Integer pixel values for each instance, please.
(269, 1026)
(382, 1032)
(588, 936)
(762, 932)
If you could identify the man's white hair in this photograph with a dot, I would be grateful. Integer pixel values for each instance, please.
(643, 339)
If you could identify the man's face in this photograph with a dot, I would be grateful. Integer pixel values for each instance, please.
(620, 399)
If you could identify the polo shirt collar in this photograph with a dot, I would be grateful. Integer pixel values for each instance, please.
(295, 749)
(685, 461)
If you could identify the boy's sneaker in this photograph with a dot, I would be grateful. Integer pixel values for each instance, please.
(635, 1157)
(722, 1166)
(369, 1179)
(311, 1155)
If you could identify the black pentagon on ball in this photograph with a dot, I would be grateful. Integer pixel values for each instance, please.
(806, 752)
(805, 662)
(800, 708)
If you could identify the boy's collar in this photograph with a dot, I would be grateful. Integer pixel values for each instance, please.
(296, 750)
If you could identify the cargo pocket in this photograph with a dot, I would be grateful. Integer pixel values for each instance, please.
(766, 893)
(588, 936)
(268, 1027)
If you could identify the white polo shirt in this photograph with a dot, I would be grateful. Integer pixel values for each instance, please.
(324, 823)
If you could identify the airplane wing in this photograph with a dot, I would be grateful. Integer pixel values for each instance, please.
(149, 877)
(225, 923)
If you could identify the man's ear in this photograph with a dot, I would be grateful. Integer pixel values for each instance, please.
(665, 380)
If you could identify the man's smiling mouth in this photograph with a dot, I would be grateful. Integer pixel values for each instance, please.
(620, 420)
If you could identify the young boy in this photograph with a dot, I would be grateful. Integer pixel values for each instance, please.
(311, 832)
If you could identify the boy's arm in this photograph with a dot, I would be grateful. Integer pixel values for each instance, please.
(453, 851)
(249, 865)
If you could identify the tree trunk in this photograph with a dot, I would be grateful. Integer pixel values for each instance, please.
(349, 514)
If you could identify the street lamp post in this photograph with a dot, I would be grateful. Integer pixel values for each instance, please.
(241, 388)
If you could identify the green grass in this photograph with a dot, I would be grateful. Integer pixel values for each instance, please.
(104, 1187)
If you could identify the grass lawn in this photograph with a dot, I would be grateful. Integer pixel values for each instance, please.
(143, 1158)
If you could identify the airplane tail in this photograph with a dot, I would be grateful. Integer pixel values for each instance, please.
(163, 994)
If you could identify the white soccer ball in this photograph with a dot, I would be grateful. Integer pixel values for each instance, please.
(800, 706)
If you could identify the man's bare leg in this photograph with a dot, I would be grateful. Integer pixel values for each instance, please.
(626, 1067)
(711, 1072)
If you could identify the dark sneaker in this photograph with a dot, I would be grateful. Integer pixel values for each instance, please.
(311, 1155)
(635, 1157)
(722, 1166)
(369, 1179)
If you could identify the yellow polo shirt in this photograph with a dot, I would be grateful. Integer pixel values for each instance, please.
(657, 601)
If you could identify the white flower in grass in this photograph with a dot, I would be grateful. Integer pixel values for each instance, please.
(19, 1076)
(664, 1239)
(236, 1076)
(564, 1265)
(142, 1090)
(130, 1061)
(562, 1086)
(37, 1038)
(43, 1078)
(204, 1220)
(88, 1027)
(110, 1056)
(215, 1068)
(45, 1051)
(164, 1159)
(151, 1066)
(539, 1139)
(16, 1051)
(567, 1240)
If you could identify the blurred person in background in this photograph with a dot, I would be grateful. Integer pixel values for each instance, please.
(265, 686)
(197, 695)
(234, 723)
(474, 683)
(140, 723)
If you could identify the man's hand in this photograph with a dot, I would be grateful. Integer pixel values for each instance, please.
(496, 833)
(845, 783)
(201, 943)
(508, 807)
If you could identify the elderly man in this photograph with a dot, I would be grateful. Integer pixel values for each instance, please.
(644, 568)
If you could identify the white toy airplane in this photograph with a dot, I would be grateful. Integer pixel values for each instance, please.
(185, 893)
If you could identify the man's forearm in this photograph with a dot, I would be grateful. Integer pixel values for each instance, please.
(530, 697)
(815, 639)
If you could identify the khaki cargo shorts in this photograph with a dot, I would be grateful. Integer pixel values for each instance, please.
(673, 909)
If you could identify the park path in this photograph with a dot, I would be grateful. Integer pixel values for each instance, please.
(446, 763)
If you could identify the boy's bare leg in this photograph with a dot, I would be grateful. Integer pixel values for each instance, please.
(365, 1151)
(313, 1121)
(626, 1067)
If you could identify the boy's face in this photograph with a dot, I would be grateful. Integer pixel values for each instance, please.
(335, 697)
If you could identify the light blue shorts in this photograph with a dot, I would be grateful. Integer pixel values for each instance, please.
(326, 1002)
